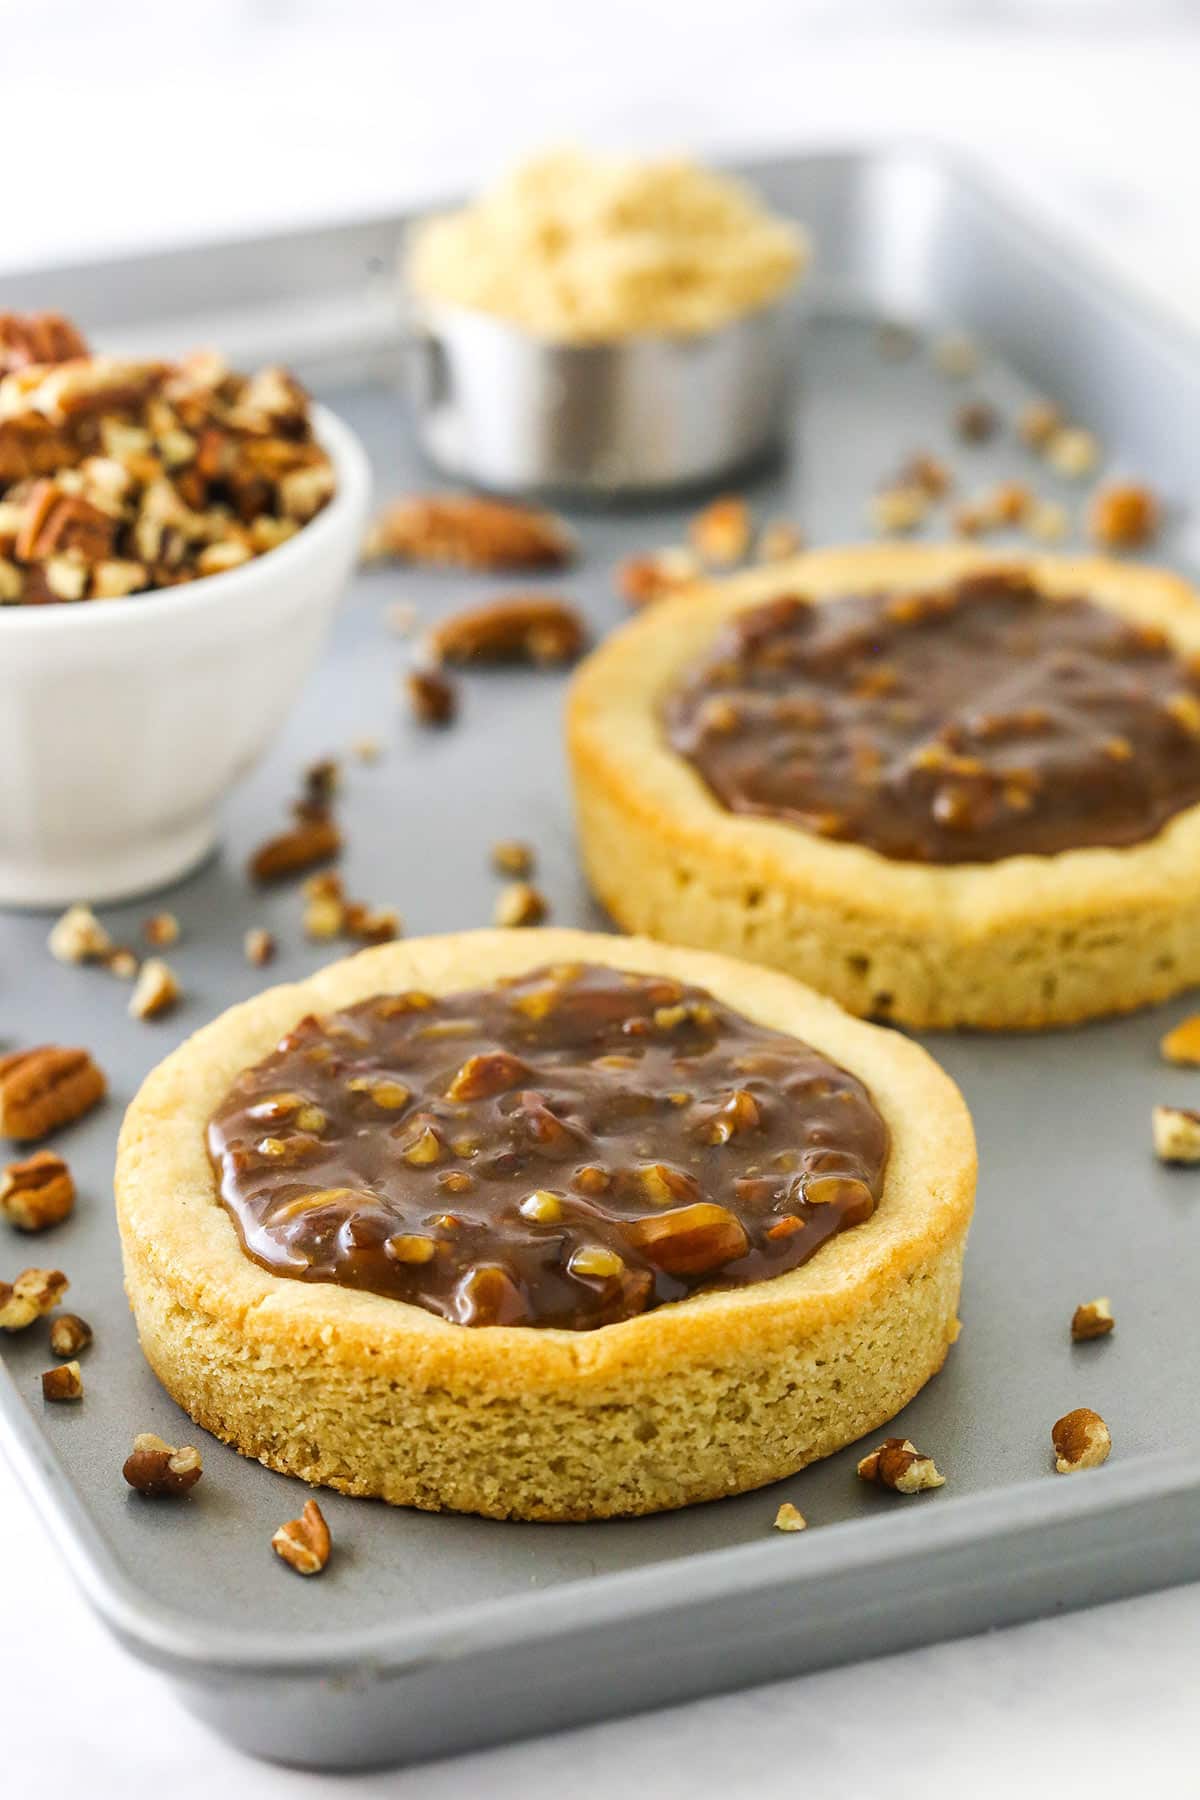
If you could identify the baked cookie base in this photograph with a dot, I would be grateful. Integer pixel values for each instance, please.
(711, 1396)
(1025, 943)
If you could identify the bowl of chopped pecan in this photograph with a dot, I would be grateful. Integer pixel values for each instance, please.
(173, 539)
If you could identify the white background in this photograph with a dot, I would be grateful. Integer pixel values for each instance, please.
(128, 124)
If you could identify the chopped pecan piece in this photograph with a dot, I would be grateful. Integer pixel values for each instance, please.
(37, 338)
(509, 857)
(469, 532)
(122, 963)
(69, 1334)
(1123, 516)
(1093, 1319)
(310, 841)
(258, 946)
(483, 1076)
(898, 1464)
(46, 1087)
(304, 1543)
(534, 628)
(1176, 1134)
(79, 937)
(976, 422)
(520, 904)
(161, 930)
(1182, 1043)
(158, 1470)
(690, 1240)
(65, 1382)
(1073, 452)
(34, 1293)
(432, 696)
(156, 992)
(790, 1518)
(721, 533)
(1081, 1440)
(38, 1192)
(926, 474)
(371, 924)
(643, 579)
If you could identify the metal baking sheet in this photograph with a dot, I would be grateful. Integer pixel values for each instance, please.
(434, 1633)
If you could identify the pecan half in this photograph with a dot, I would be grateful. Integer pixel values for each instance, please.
(534, 628)
(900, 1465)
(304, 1543)
(158, 1470)
(468, 532)
(63, 1383)
(34, 1293)
(1081, 1440)
(46, 1087)
(38, 1192)
(310, 841)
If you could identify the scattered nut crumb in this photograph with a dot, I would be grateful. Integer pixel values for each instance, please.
(161, 930)
(537, 628)
(789, 1518)
(641, 580)
(38, 1192)
(509, 857)
(1182, 1043)
(956, 355)
(319, 787)
(469, 532)
(1176, 1134)
(371, 924)
(308, 843)
(900, 509)
(928, 474)
(778, 540)
(69, 1334)
(976, 422)
(1092, 1320)
(1123, 516)
(1037, 423)
(969, 519)
(304, 1543)
(78, 937)
(122, 963)
(1049, 522)
(432, 696)
(721, 533)
(1081, 1441)
(1073, 452)
(156, 990)
(258, 946)
(159, 1471)
(324, 915)
(34, 1293)
(65, 1382)
(898, 1464)
(367, 749)
(520, 904)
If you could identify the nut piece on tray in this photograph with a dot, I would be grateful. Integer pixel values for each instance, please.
(534, 628)
(1081, 1441)
(1176, 1134)
(304, 1543)
(467, 532)
(31, 1296)
(46, 1087)
(63, 1383)
(898, 1464)
(1093, 1319)
(38, 1192)
(158, 1470)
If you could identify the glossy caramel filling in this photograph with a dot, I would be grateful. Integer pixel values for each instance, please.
(568, 1148)
(963, 725)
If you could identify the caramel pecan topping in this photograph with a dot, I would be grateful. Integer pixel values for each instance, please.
(45, 1088)
(469, 532)
(963, 724)
(566, 1148)
(524, 627)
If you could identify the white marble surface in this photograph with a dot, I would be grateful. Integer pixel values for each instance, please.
(150, 123)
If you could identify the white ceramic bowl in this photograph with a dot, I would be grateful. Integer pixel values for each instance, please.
(123, 723)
